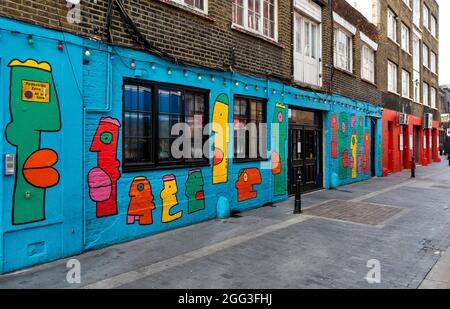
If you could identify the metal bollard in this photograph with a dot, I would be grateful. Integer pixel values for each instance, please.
(449, 158)
(413, 167)
(298, 194)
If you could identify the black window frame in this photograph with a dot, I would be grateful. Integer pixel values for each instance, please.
(156, 164)
(247, 139)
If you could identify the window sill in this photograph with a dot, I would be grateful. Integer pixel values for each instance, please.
(339, 69)
(237, 161)
(307, 85)
(369, 82)
(188, 9)
(146, 168)
(393, 92)
(395, 42)
(257, 35)
(406, 52)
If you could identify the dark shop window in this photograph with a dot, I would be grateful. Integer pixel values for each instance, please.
(249, 113)
(150, 112)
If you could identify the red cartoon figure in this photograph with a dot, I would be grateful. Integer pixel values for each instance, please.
(102, 180)
(141, 203)
(247, 179)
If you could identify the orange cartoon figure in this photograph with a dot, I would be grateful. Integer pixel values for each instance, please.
(141, 203)
(248, 178)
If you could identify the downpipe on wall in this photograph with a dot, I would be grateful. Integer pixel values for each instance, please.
(106, 109)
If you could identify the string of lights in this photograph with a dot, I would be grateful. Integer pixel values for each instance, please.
(200, 75)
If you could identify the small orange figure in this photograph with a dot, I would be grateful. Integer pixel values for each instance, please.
(141, 203)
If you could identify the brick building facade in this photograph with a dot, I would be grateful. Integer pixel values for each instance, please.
(114, 95)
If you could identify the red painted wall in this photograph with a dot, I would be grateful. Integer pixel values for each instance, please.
(395, 159)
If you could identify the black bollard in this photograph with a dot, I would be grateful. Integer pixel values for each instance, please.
(298, 193)
(413, 167)
(449, 158)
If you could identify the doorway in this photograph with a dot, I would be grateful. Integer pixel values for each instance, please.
(417, 143)
(305, 150)
(390, 146)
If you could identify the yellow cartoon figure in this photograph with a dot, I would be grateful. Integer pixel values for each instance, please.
(221, 139)
(354, 148)
(169, 199)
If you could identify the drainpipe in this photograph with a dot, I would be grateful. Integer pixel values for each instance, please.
(331, 65)
(106, 109)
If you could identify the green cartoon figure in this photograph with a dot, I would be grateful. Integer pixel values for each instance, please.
(34, 108)
(279, 154)
(194, 191)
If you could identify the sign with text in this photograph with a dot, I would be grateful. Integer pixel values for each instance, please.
(35, 91)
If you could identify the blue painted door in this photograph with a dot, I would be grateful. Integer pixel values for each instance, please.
(41, 116)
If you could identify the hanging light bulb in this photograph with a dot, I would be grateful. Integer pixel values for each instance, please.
(296, 96)
(199, 76)
(224, 82)
(186, 74)
(257, 88)
(133, 64)
(153, 66)
(274, 91)
(213, 78)
(60, 45)
(30, 40)
(87, 53)
(246, 87)
(236, 83)
(169, 71)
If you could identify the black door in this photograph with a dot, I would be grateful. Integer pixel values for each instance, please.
(305, 150)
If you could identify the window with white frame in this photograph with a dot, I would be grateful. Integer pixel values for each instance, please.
(433, 97)
(392, 26)
(368, 63)
(199, 5)
(426, 16)
(416, 85)
(343, 52)
(425, 93)
(426, 56)
(405, 83)
(433, 26)
(258, 16)
(407, 2)
(416, 12)
(433, 64)
(405, 37)
(392, 77)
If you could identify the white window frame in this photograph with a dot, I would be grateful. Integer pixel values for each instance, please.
(433, 62)
(425, 55)
(406, 82)
(405, 35)
(416, 87)
(368, 63)
(407, 2)
(426, 16)
(183, 3)
(392, 33)
(261, 20)
(433, 26)
(425, 91)
(416, 12)
(392, 85)
(433, 93)
(339, 33)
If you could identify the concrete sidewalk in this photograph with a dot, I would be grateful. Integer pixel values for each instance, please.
(402, 223)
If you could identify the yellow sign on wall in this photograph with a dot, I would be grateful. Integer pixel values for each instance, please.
(33, 91)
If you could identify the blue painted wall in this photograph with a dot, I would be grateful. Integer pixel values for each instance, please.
(60, 234)
(91, 90)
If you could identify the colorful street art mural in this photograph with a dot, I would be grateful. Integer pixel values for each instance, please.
(141, 202)
(353, 146)
(102, 180)
(34, 108)
(343, 156)
(194, 191)
(169, 199)
(279, 154)
(247, 179)
(221, 139)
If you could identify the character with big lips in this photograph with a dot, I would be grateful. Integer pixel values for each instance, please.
(102, 180)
